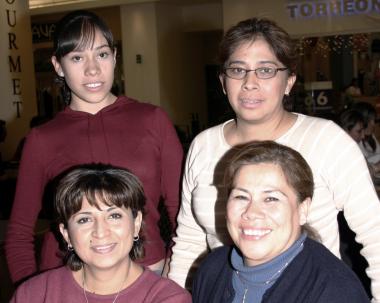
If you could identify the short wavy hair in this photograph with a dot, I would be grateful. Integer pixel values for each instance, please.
(98, 183)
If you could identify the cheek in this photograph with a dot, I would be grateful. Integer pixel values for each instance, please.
(233, 214)
(232, 87)
(280, 216)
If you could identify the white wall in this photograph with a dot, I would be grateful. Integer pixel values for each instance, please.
(139, 36)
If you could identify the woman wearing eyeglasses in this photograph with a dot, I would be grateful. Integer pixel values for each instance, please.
(258, 64)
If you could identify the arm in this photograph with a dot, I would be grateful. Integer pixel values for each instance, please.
(190, 240)
(355, 194)
(171, 166)
(19, 242)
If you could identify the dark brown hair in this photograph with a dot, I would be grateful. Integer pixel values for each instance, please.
(297, 172)
(251, 29)
(98, 183)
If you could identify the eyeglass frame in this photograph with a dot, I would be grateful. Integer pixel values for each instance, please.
(253, 70)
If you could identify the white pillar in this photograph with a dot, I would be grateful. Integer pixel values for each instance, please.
(17, 85)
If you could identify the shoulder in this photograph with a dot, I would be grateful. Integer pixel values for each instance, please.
(316, 137)
(215, 263)
(316, 275)
(317, 124)
(332, 274)
(39, 285)
(212, 132)
(134, 106)
(209, 141)
(163, 289)
(217, 256)
(51, 275)
(212, 281)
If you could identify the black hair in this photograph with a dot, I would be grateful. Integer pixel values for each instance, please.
(76, 31)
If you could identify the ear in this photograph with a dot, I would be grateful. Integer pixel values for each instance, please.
(114, 55)
(57, 66)
(64, 233)
(303, 210)
(138, 221)
(290, 82)
(222, 80)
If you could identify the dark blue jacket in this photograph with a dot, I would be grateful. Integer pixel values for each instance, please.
(314, 276)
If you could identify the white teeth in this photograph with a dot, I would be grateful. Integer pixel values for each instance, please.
(255, 232)
(249, 101)
(102, 247)
(93, 85)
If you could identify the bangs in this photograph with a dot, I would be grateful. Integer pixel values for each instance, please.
(81, 37)
(87, 36)
(97, 197)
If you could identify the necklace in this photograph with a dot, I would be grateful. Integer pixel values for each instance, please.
(84, 285)
(265, 283)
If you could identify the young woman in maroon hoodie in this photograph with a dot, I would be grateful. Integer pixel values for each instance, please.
(95, 127)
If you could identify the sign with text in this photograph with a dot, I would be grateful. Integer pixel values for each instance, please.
(328, 8)
(319, 95)
(43, 32)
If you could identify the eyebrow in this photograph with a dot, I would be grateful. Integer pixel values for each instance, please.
(268, 191)
(95, 48)
(260, 62)
(89, 212)
(241, 189)
(102, 46)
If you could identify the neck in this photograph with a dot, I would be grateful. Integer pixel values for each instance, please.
(92, 108)
(244, 131)
(104, 282)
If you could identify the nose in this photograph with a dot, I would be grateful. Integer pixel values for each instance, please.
(250, 81)
(253, 211)
(92, 67)
(101, 229)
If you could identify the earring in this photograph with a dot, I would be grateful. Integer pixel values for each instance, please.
(136, 238)
(61, 74)
(69, 247)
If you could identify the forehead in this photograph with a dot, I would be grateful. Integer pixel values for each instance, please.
(90, 40)
(258, 49)
(263, 174)
(97, 204)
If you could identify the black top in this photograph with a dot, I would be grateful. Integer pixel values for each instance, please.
(315, 275)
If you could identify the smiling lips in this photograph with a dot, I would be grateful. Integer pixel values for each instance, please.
(255, 233)
(250, 102)
(103, 249)
(93, 85)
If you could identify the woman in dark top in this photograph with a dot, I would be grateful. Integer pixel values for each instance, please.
(274, 259)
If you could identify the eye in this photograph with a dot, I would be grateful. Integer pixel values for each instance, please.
(237, 70)
(265, 70)
(116, 216)
(240, 198)
(103, 55)
(76, 58)
(271, 199)
(83, 220)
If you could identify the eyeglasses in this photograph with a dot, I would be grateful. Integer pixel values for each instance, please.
(239, 73)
